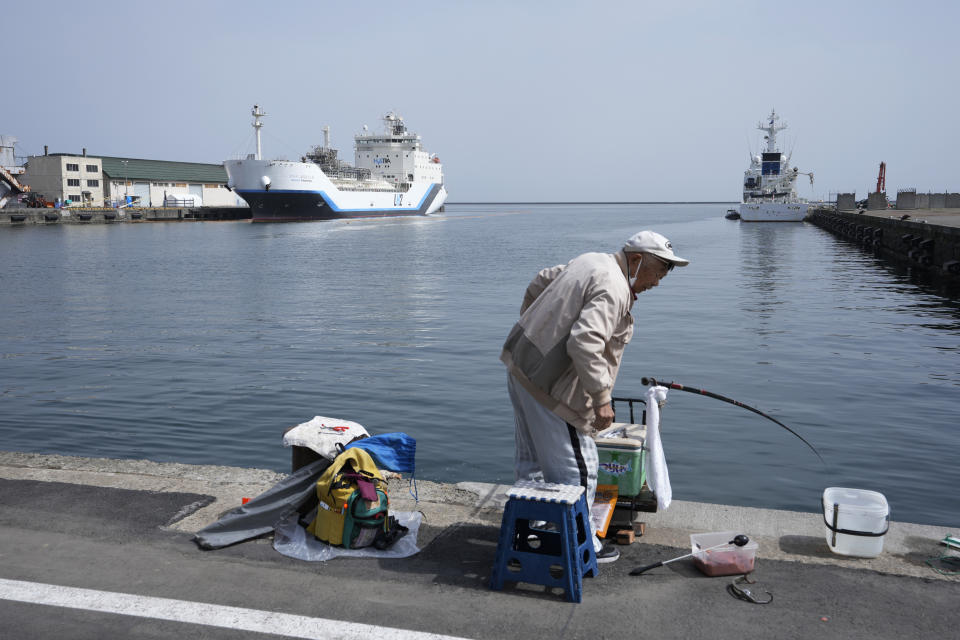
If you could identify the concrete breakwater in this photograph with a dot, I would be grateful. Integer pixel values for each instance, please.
(783, 535)
(76, 215)
(925, 240)
(100, 548)
(907, 199)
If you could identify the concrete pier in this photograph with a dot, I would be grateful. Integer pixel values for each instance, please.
(927, 240)
(98, 534)
(76, 215)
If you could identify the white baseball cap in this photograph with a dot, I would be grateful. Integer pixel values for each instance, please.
(653, 242)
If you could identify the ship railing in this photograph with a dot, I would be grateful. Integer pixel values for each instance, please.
(365, 188)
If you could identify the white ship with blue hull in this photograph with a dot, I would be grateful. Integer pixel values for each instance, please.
(391, 176)
(770, 185)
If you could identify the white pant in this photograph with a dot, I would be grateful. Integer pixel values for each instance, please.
(549, 449)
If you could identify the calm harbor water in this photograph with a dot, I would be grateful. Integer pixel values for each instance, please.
(202, 342)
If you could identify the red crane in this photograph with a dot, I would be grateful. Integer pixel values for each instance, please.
(882, 178)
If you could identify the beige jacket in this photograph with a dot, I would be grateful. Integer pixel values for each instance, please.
(574, 325)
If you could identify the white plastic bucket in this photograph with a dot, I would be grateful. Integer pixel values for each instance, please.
(855, 520)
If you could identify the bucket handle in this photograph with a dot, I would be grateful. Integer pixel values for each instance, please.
(850, 532)
(836, 515)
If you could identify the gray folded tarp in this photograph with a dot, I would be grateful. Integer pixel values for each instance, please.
(296, 492)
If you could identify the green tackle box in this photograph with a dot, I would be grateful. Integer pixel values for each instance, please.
(622, 457)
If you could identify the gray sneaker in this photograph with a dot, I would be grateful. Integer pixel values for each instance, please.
(607, 553)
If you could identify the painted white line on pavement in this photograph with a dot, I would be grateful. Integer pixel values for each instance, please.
(283, 624)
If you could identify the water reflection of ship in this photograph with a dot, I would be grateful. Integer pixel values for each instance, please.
(766, 255)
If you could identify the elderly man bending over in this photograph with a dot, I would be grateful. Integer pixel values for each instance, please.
(563, 356)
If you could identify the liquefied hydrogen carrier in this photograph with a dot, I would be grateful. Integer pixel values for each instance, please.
(392, 175)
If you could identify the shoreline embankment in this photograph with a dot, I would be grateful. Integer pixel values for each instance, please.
(924, 240)
(782, 535)
(94, 548)
(100, 215)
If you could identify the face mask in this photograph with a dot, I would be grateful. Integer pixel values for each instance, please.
(636, 273)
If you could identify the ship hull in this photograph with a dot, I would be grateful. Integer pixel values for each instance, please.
(280, 191)
(773, 211)
(302, 206)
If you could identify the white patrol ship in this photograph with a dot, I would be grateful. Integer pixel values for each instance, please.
(770, 185)
(391, 176)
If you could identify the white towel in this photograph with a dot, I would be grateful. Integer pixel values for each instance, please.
(323, 434)
(657, 477)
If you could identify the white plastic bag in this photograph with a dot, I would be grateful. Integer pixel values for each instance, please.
(293, 541)
(323, 434)
(657, 476)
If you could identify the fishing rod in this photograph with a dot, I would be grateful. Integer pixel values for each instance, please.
(717, 396)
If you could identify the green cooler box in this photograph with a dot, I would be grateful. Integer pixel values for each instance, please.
(622, 457)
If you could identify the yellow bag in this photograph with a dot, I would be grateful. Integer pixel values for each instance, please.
(343, 517)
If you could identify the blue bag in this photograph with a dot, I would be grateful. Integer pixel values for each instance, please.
(392, 451)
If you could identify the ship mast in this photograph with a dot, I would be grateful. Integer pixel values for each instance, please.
(771, 129)
(257, 114)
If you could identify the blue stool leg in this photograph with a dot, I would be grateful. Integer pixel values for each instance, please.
(573, 574)
(586, 554)
(504, 545)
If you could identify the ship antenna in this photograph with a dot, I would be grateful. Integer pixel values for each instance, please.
(771, 129)
(257, 114)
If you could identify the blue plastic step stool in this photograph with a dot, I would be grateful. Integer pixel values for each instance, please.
(554, 558)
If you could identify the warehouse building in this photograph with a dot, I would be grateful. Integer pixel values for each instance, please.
(114, 181)
(62, 177)
(151, 183)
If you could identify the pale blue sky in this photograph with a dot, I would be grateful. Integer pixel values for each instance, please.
(522, 101)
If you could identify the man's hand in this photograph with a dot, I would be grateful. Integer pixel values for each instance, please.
(604, 417)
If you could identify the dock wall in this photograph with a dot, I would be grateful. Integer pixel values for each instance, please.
(907, 199)
(876, 201)
(929, 248)
(910, 199)
(75, 215)
(846, 201)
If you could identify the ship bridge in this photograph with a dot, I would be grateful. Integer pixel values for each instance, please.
(395, 155)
